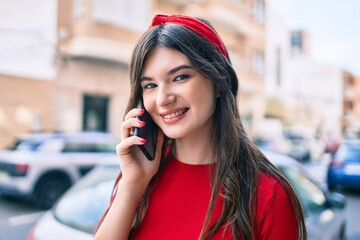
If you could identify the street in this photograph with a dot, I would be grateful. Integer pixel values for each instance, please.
(17, 217)
(353, 218)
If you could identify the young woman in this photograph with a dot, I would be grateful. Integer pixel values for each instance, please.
(208, 180)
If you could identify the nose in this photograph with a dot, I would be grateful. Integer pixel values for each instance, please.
(164, 96)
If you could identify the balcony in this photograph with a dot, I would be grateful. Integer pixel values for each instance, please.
(178, 2)
(236, 20)
(97, 48)
(349, 94)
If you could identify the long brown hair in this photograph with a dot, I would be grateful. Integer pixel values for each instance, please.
(239, 162)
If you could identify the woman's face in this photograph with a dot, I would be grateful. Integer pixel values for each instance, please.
(179, 99)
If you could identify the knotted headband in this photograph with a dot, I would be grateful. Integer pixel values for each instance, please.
(193, 24)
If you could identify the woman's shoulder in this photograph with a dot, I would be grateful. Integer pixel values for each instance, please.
(266, 181)
(274, 209)
(270, 192)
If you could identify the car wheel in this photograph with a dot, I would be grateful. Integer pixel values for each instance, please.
(49, 189)
(306, 157)
(335, 187)
(331, 187)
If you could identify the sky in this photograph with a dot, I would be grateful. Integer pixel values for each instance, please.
(333, 27)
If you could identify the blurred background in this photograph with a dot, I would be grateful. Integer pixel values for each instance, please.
(64, 64)
(64, 71)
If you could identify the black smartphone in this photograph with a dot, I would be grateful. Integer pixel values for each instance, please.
(148, 132)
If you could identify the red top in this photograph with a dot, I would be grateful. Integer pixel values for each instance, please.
(180, 199)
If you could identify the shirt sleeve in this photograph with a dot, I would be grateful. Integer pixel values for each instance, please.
(275, 216)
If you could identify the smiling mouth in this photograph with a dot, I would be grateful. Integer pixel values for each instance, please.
(175, 114)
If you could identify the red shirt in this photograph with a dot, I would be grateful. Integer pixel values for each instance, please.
(179, 202)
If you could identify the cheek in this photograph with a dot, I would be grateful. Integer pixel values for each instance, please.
(205, 104)
(205, 95)
(150, 103)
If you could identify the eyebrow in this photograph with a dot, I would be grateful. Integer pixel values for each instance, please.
(172, 71)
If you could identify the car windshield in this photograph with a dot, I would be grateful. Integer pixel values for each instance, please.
(82, 207)
(349, 151)
(310, 195)
(26, 145)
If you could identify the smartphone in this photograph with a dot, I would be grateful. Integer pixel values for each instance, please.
(148, 132)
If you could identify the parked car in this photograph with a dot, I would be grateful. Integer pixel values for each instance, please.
(344, 168)
(41, 167)
(305, 147)
(76, 214)
(78, 211)
(277, 144)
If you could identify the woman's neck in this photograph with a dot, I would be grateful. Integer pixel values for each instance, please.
(196, 149)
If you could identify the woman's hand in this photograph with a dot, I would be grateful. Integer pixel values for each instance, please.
(137, 170)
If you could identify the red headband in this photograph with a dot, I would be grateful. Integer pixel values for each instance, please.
(193, 24)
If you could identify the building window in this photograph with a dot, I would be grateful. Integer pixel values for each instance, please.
(259, 10)
(258, 63)
(121, 13)
(299, 42)
(296, 43)
(240, 4)
(95, 113)
(79, 9)
(278, 67)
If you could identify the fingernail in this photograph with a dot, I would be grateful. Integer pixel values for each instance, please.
(141, 122)
(141, 110)
(142, 140)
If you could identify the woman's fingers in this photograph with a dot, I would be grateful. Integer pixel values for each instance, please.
(133, 113)
(124, 148)
(134, 164)
(130, 122)
(128, 126)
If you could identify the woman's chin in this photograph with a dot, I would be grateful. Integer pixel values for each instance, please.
(172, 134)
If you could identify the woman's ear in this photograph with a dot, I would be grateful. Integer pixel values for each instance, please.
(217, 93)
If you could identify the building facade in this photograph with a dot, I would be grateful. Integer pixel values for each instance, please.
(351, 103)
(27, 72)
(301, 91)
(92, 67)
(94, 42)
(26, 105)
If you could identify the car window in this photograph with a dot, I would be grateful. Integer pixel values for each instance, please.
(106, 147)
(52, 145)
(79, 147)
(82, 207)
(25, 145)
(348, 151)
(89, 147)
(310, 195)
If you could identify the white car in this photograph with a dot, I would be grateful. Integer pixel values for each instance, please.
(77, 213)
(42, 167)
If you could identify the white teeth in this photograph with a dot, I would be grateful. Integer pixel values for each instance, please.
(172, 115)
